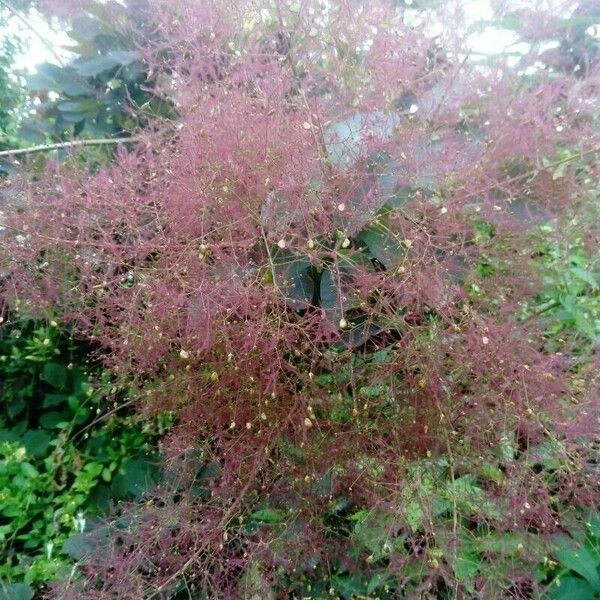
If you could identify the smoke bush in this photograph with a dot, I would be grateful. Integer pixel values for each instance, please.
(318, 267)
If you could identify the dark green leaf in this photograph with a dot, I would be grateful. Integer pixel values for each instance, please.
(51, 420)
(34, 131)
(36, 442)
(209, 471)
(59, 79)
(15, 591)
(329, 295)
(324, 485)
(343, 140)
(374, 531)
(294, 280)
(387, 250)
(51, 400)
(500, 543)
(136, 478)
(8, 436)
(349, 586)
(361, 332)
(340, 505)
(15, 407)
(378, 581)
(581, 561)
(37, 82)
(594, 526)
(65, 118)
(78, 546)
(346, 140)
(125, 57)
(55, 374)
(95, 66)
(571, 588)
(85, 105)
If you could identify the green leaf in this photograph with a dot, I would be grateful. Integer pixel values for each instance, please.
(93, 67)
(349, 586)
(254, 585)
(491, 472)
(343, 140)
(29, 470)
(291, 451)
(209, 470)
(78, 546)
(294, 279)
(571, 588)
(380, 357)
(594, 526)
(59, 79)
(15, 591)
(268, 515)
(125, 57)
(94, 469)
(15, 407)
(135, 478)
(374, 531)
(465, 569)
(581, 561)
(324, 485)
(8, 436)
(84, 106)
(414, 515)
(52, 420)
(387, 250)
(506, 449)
(500, 543)
(585, 275)
(75, 117)
(51, 400)
(372, 391)
(36, 441)
(377, 581)
(55, 374)
(400, 197)
(329, 295)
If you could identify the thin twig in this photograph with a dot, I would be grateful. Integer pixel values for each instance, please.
(315, 122)
(73, 144)
(540, 310)
(534, 172)
(225, 520)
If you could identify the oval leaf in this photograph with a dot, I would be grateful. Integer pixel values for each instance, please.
(268, 515)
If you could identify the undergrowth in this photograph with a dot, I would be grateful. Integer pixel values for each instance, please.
(67, 451)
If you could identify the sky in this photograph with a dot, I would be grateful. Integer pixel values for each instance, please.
(34, 50)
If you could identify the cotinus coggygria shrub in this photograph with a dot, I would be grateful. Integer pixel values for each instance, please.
(319, 266)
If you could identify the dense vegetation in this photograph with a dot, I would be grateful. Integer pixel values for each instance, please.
(322, 324)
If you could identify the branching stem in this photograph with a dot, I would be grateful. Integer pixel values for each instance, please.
(63, 145)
